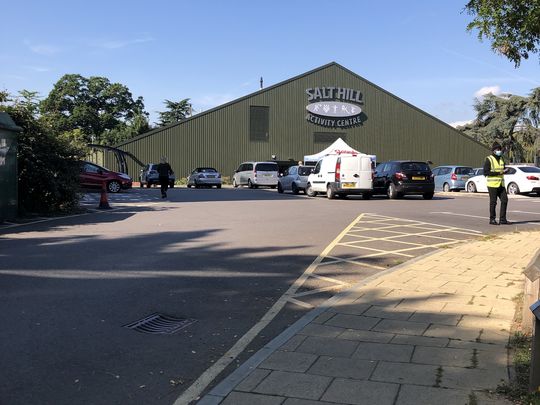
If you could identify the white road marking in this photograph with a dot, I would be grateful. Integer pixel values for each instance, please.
(478, 216)
(526, 212)
(331, 280)
(194, 391)
(301, 303)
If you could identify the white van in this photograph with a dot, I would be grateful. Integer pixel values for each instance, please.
(255, 174)
(341, 175)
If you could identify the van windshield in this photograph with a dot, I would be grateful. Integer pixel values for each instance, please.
(266, 167)
(418, 166)
(305, 171)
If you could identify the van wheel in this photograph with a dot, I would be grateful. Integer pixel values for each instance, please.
(331, 194)
(295, 189)
(392, 192)
(250, 184)
(279, 188)
(446, 188)
(366, 196)
(310, 192)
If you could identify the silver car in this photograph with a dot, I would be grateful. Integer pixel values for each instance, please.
(294, 179)
(451, 178)
(149, 175)
(204, 177)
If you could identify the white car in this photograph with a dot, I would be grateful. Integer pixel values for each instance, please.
(204, 177)
(255, 174)
(294, 179)
(520, 179)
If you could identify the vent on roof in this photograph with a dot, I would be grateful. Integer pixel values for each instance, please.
(159, 324)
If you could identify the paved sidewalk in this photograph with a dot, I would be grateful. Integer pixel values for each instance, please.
(429, 331)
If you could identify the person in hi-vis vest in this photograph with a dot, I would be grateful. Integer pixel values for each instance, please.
(494, 170)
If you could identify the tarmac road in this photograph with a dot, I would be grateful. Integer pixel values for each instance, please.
(222, 258)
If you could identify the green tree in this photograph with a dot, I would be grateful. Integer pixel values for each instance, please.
(511, 120)
(176, 111)
(92, 105)
(47, 164)
(512, 26)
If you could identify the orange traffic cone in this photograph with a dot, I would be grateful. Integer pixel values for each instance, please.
(103, 202)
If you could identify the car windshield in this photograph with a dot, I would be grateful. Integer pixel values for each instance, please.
(305, 171)
(267, 167)
(464, 170)
(419, 166)
(206, 170)
(530, 169)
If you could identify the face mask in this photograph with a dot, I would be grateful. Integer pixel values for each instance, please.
(498, 152)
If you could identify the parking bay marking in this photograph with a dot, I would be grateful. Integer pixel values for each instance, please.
(199, 385)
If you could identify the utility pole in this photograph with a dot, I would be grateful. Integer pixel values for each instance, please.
(261, 82)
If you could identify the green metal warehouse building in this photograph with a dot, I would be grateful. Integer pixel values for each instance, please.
(302, 116)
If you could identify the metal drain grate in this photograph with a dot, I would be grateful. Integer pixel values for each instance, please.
(159, 324)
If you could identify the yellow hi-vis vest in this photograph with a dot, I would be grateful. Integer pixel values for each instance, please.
(498, 180)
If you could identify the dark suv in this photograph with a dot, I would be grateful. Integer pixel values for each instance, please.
(397, 178)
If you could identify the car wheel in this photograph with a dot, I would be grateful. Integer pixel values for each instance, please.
(234, 183)
(330, 194)
(195, 184)
(218, 186)
(310, 192)
(250, 184)
(392, 192)
(428, 196)
(114, 186)
(295, 189)
(513, 189)
(188, 185)
(279, 188)
(471, 187)
(446, 187)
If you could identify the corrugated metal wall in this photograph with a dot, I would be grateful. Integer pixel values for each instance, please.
(220, 137)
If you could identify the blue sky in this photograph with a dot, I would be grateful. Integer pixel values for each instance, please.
(215, 51)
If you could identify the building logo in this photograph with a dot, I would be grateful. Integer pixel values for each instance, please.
(334, 107)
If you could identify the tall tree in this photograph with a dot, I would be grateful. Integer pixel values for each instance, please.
(176, 111)
(90, 106)
(511, 120)
(512, 26)
(47, 165)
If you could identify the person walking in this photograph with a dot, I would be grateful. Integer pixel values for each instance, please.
(164, 170)
(494, 170)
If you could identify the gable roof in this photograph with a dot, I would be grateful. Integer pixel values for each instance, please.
(283, 83)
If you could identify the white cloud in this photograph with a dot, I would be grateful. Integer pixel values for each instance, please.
(495, 90)
(456, 124)
(38, 69)
(122, 43)
(43, 49)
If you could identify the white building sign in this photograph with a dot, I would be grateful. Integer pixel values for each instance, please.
(334, 107)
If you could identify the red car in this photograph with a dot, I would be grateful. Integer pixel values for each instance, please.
(92, 175)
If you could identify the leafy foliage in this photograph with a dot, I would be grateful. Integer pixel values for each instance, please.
(48, 168)
(102, 112)
(513, 26)
(514, 121)
(176, 111)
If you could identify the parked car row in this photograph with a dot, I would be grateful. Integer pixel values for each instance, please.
(519, 179)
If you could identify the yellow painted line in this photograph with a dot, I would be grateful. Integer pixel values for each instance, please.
(194, 390)
(340, 260)
(394, 252)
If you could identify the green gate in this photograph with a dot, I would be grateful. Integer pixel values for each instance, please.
(8, 168)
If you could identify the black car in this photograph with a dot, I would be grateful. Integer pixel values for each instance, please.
(397, 178)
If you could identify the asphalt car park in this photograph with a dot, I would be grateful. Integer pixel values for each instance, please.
(237, 265)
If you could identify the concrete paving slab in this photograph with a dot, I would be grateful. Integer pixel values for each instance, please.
(343, 367)
(405, 373)
(308, 386)
(452, 332)
(420, 340)
(252, 380)
(443, 356)
(322, 346)
(245, 398)
(322, 330)
(464, 378)
(383, 351)
(366, 335)
(439, 319)
(293, 343)
(401, 327)
(388, 313)
(289, 361)
(360, 392)
(417, 395)
(352, 322)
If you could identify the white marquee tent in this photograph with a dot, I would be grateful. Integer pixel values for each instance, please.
(339, 147)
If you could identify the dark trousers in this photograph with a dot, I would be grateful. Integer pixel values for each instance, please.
(495, 192)
(164, 181)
